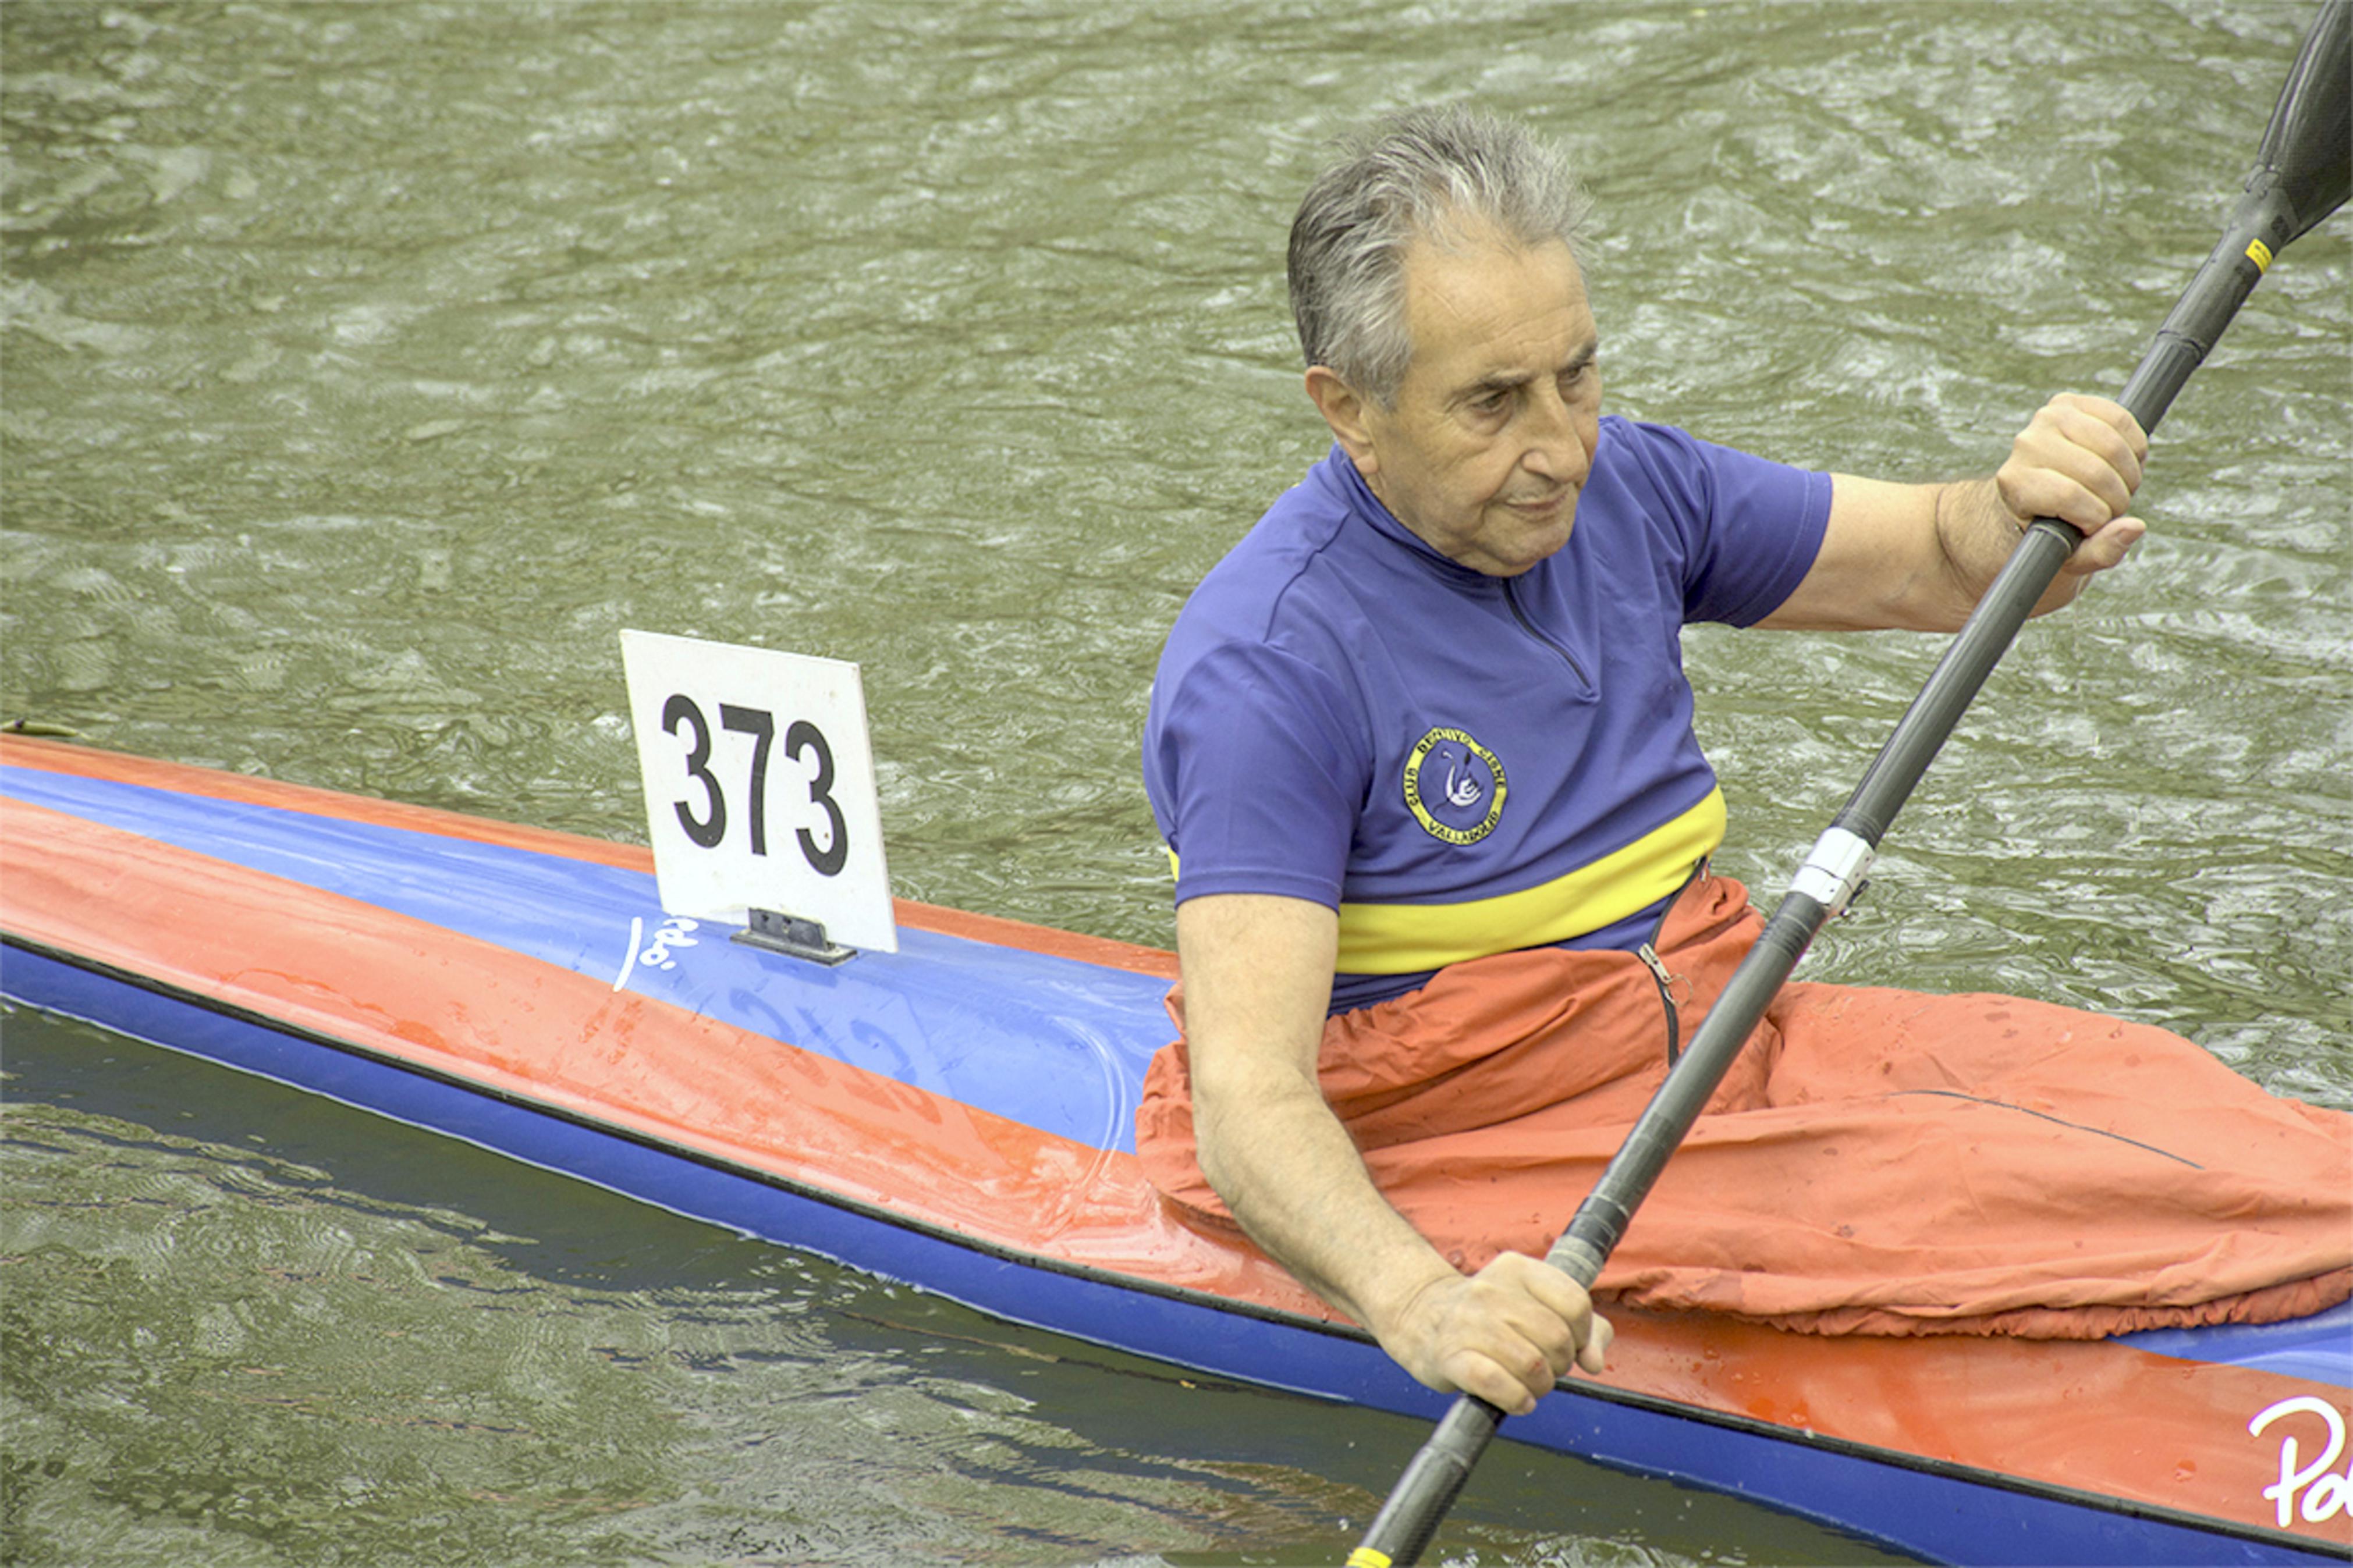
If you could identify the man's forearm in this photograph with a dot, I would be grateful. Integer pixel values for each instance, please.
(2079, 459)
(1919, 557)
(1292, 1177)
(1975, 534)
(1258, 975)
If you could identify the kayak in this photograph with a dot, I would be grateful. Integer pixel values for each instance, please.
(958, 1116)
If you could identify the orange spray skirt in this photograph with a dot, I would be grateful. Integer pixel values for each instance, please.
(1876, 1161)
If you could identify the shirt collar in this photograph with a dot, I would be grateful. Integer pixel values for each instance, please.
(1366, 507)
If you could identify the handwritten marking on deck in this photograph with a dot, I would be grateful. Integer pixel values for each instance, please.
(655, 954)
(2324, 1494)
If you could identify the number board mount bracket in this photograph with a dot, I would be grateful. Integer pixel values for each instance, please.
(776, 931)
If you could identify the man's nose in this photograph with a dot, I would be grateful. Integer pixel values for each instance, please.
(1556, 449)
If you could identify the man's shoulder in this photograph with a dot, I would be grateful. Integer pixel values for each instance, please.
(1304, 521)
(1280, 565)
(1738, 530)
(1630, 446)
(1670, 476)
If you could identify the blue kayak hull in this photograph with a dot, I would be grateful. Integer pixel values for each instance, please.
(1108, 1267)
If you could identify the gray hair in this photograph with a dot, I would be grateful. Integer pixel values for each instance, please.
(1428, 173)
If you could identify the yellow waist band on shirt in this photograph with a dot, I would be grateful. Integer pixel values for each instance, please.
(1405, 938)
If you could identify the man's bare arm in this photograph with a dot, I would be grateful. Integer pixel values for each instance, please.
(1918, 557)
(1258, 979)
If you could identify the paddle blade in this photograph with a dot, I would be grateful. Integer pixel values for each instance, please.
(2302, 170)
(2307, 156)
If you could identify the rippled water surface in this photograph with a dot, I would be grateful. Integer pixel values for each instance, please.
(368, 368)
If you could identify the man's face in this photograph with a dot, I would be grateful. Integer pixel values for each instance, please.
(1492, 434)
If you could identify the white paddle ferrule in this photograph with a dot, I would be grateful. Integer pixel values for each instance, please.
(1835, 870)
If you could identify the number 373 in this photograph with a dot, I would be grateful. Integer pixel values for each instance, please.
(682, 715)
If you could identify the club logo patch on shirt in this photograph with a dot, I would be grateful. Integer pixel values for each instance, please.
(1453, 786)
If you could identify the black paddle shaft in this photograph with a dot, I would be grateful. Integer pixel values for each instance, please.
(2301, 174)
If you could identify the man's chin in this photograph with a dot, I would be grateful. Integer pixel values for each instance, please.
(1535, 536)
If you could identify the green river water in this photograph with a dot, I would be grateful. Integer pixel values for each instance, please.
(368, 367)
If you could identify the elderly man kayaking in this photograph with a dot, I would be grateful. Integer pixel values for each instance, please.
(1422, 748)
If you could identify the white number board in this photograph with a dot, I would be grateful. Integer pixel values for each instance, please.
(759, 785)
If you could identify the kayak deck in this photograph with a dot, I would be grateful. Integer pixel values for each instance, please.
(958, 1115)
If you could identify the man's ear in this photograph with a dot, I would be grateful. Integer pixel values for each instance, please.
(1343, 408)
